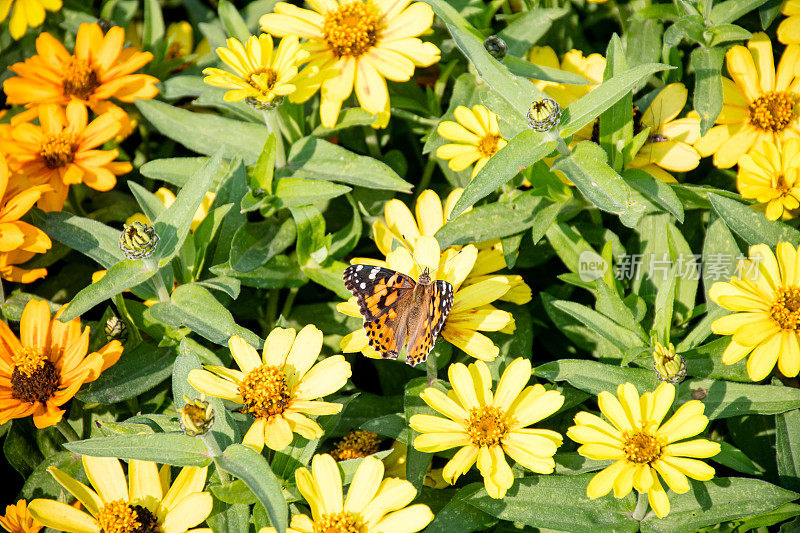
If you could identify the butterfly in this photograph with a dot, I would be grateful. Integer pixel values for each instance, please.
(397, 309)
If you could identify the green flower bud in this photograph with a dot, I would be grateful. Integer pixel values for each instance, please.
(196, 417)
(669, 366)
(544, 114)
(262, 106)
(116, 329)
(138, 241)
(496, 47)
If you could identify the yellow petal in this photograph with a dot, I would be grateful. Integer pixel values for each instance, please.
(106, 476)
(62, 517)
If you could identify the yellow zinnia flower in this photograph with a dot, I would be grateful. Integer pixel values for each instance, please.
(669, 143)
(642, 446)
(18, 520)
(476, 135)
(488, 426)
(278, 387)
(260, 75)
(357, 443)
(26, 13)
(372, 505)
(759, 105)
(365, 42)
(145, 503)
(45, 367)
(471, 312)
(770, 173)
(765, 298)
(789, 28)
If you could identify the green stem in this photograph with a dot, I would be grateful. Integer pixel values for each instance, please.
(272, 307)
(372, 141)
(272, 120)
(215, 451)
(287, 304)
(427, 174)
(2, 293)
(161, 289)
(67, 431)
(641, 506)
(414, 118)
(76, 204)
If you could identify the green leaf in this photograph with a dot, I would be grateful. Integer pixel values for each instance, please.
(259, 177)
(523, 150)
(787, 445)
(296, 192)
(234, 492)
(316, 159)
(251, 467)
(665, 300)
(194, 307)
(205, 133)
(718, 500)
(725, 399)
(153, 31)
(587, 168)
(751, 225)
(417, 463)
(730, 10)
(311, 242)
(595, 377)
(255, 243)
(279, 272)
(616, 122)
(526, 69)
(705, 361)
(611, 305)
(344, 240)
(655, 190)
(178, 170)
(120, 277)
(584, 110)
(329, 276)
(707, 65)
(169, 448)
(559, 503)
(720, 253)
(458, 514)
(232, 21)
(91, 238)
(603, 326)
(528, 28)
(734, 458)
(137, 371)
(726, 33)
(172, 225)
(496, 220)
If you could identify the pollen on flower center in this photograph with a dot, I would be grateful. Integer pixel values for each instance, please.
(265, 392)
(80, 79)
(262, 79)
(488, 145)
(357, 443)
(35, 378)
(58, 150)
(352, 29)
(121, 517)
(641, 448)
(773, 111)
(487, 426)
(342, 522)
(786, 308)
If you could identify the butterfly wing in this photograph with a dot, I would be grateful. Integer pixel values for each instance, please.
(423, 336)
(383, 298)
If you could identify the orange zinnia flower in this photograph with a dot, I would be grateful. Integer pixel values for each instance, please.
(15, 234)
(11, 272)
(18, 520)
(43, 369)
(61, 151)
(98, 70)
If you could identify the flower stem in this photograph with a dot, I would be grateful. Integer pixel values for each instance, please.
(215, 451)
(373, 142)
(427, 173)
(641, 506)
(288, 302)
(161, 289)
(272, 120)
(67, 431)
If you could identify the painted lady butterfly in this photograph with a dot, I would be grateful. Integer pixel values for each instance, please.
(396, 308)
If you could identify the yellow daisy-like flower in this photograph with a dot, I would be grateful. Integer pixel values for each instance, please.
(372, 505)
(476, 136)
(430, 214)
(669, 143)
(789, 28)
(26, 13)
(278, 387)
(759, 105)
(765, 300)
(771, 174)
(261, 75)
(357, 443)
(147, 502)
(18, 520)
(487, 426)
(365, 42)
(642, 447)
(472, 311)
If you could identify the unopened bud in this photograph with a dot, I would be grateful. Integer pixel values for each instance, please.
(255, 103)
(544, 114)
(496, 47)
(669, 366)
(116, 329)
(196, 417)
(138, 241)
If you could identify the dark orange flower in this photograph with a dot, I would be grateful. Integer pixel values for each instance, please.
(45, 367)
(18, 520)
(62, 151)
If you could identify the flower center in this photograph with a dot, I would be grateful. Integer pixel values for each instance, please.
(342, 522)
(786, 308)
(121, 517)
(357, 443)
(80, 80)
(265, 392)
(58, 150)
(488, 144)
(263, 79)
(773, 111)
(487, 426)
(352, 29)
(641, 448)
(35, 378)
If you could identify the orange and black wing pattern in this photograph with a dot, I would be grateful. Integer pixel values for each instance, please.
(439, 305)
